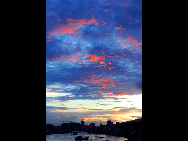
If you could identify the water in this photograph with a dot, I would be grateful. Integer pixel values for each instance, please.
(92, 137)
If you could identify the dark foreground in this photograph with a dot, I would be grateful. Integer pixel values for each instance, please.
(91, 136)
(131, 130)
(84, 136)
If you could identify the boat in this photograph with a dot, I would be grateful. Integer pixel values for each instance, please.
(75, 133)
(81, 138)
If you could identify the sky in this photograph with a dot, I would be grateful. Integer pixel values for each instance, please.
(93, 61)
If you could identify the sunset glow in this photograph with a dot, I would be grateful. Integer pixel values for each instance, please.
(93, 60)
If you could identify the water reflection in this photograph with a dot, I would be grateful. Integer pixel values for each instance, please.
(92, 137)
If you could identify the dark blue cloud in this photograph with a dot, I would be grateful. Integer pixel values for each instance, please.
(130, 11)
(139, 85)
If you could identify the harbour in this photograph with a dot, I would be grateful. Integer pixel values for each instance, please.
(91, 137)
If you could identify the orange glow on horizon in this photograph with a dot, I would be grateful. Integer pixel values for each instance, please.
(114, 116)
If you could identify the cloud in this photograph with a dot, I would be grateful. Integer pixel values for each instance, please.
(71, 27)
(105, 104)
(60, 108)
(119, 107)
(111, 101)
(57, 119)
(93, 51)
(130, 109)
(95, 109)
(71, 118)
(139, 85)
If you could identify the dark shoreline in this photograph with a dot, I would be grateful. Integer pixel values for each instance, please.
(132, 130)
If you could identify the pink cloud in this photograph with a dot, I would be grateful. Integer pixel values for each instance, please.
(71, 27)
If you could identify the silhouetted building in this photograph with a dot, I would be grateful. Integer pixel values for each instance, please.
(82, 122)
(50, 127)
(131, 128)
(92, 126)
(71, 126)
(109, 123)
(102, 127)
(117, 123)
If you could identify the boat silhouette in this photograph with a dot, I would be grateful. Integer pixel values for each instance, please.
(75, 133)
(81, 138)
